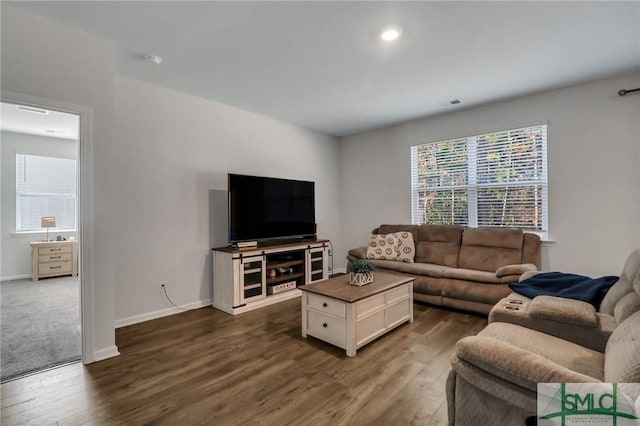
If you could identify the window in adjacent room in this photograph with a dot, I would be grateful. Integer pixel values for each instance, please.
(492, 180)
(45, 186)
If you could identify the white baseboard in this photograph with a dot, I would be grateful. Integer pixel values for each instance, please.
(340, 271)
(122, 322)
(15, 277)
(105, 353)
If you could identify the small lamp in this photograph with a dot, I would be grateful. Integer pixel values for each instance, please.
(48, 222)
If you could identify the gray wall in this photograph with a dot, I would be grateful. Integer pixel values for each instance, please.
(165, 162)
(593, 154)
(16, 252)
(44, 58)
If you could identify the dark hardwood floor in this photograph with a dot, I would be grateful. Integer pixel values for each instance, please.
(206, 367)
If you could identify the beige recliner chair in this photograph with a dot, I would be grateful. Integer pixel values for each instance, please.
(494, 375)
(574, 320)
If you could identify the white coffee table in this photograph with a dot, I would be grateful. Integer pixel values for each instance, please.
(349, 316)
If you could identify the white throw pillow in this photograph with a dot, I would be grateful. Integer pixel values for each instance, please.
(405, 247)
(382, 247)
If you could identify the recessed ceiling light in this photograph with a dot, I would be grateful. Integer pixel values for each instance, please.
(390, 34)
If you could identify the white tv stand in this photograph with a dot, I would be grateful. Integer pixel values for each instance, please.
(249, 278)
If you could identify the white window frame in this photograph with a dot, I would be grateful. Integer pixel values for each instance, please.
(472, 186)
(73, 196)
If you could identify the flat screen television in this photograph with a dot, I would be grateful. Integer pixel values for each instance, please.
(264, 208)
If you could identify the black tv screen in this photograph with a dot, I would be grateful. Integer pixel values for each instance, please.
(262, 208)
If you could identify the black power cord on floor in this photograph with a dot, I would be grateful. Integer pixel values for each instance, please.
(164, 287)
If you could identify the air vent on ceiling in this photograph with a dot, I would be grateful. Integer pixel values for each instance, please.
(32, 109)
(455, 102)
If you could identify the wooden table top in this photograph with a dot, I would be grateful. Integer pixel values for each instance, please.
(339, 287)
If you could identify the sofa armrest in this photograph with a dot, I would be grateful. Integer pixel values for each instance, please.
(517, 269)
(358, 252)
(508, 362)
(528, 275)
(567, 311)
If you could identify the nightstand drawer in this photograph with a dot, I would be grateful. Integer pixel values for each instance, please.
(54, 257)
(54, 268)
(327, 328)
(328, 305)
(64, 248)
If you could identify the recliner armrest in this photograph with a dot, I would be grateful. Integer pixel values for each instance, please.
(515, 269)
(507, 361)
(567, 311)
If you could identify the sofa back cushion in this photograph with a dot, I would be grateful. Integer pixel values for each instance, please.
(532, 249)
(392, 229)
(625, 285)
(487, 249)
(621, 360)
(438, 244)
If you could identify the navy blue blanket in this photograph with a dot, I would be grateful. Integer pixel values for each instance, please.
(571, 286)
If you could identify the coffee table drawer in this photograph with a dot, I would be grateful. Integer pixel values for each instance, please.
(327, 328)
(327, 305)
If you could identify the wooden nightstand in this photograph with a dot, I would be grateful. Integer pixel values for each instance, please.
(53, 259)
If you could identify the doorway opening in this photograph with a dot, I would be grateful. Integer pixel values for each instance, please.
(40, 287)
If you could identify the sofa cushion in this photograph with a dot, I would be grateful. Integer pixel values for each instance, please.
(518, 270)
(430, 286)
(478, 276)
(405, 247)
(628, 305)
(630, 273)
(382, 247)
(567, 354)
(622, 364)
(438, 244)
(393, 229)
(487, 249)
(562, 310)
(531, 249)
(514, 364)
(475, 292)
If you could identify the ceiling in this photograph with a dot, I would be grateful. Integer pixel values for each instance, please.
(38, 121)
(322, 65)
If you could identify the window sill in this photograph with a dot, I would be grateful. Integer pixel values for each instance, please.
(36, 233)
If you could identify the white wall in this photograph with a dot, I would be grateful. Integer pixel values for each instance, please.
(594, 172)
(153, 167)
(47, 59)
(16, 252)
(169, 150)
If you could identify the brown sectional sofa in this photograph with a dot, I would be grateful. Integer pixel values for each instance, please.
(464, 268)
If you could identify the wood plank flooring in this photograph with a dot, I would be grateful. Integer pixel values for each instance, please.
(206, 367)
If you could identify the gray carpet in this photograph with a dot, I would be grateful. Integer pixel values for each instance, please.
(39, 325)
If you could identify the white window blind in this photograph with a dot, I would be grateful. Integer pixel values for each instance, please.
(492, 180)
(45, 186)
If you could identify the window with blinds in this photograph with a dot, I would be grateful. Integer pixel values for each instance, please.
(45, 186)
(492, 180)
